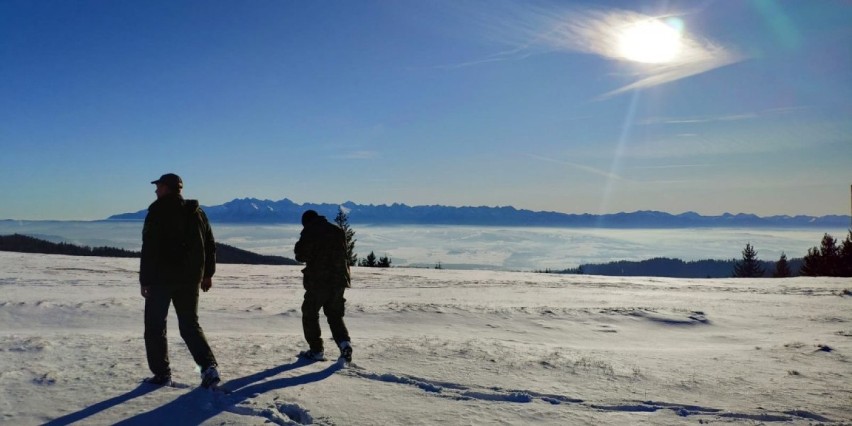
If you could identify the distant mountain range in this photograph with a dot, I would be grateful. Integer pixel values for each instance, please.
(252, 210)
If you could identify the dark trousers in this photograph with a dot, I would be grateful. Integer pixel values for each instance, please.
(185, 299)
(331, 301)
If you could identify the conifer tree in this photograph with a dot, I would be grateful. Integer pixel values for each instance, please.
(342, 220)
(782, 269)
(749, 267)
(384, 262)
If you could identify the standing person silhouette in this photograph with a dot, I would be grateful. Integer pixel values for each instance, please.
(178, 258)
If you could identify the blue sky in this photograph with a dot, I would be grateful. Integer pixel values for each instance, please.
(538, 105)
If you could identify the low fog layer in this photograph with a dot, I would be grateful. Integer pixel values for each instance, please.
(508, 248)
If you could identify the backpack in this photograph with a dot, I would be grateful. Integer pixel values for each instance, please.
(192, 246)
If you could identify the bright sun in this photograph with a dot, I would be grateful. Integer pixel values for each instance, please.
(649, 41)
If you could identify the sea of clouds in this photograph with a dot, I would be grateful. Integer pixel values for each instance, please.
(471, 247)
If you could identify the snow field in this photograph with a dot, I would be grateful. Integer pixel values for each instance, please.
(432, 347)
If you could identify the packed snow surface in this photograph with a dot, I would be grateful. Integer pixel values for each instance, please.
(431, 347)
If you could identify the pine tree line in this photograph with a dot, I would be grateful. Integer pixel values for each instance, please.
(371, 262)
(830, 259)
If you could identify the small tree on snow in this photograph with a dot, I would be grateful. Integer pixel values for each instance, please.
(749, 267)
(342, 220)
(782, 268)
(384, 262)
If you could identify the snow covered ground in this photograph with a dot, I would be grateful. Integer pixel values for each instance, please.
(432, 347)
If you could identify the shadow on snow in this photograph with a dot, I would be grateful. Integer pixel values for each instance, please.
(199, 405)
(67, 419)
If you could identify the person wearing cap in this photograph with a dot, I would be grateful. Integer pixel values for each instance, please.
(322, 246)
(178, 258)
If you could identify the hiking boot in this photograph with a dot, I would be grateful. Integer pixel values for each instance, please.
(312, 355)
(210, 377)
(159, 380)
(346, 351)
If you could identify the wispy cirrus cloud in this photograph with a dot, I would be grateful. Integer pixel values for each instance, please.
(535, 29)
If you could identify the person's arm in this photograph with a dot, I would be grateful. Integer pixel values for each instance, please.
(344, 255)
(302, 249)
(148, 258)
(209, 253)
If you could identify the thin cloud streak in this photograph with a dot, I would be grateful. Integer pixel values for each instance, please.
(359, 155)
(509, 55)
(616, 177)
(698, 120)
(724, 118)
(589, 169)
(671, 166)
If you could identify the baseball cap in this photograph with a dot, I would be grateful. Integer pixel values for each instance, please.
(169, 179)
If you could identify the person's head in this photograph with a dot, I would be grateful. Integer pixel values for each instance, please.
(168, 183)
(308, 216)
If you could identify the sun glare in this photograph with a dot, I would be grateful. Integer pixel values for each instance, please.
(650, 41)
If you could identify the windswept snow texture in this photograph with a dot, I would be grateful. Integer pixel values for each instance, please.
(432, 347)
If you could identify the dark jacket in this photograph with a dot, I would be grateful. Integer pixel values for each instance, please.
(177, 244)
(322, 246)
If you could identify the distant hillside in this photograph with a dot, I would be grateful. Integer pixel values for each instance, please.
(26, 244)
(231, 254)
(676, 268)
(224, 252)
(251, 210)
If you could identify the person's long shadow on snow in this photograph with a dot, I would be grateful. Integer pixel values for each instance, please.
(67, 419)
(195, 407)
